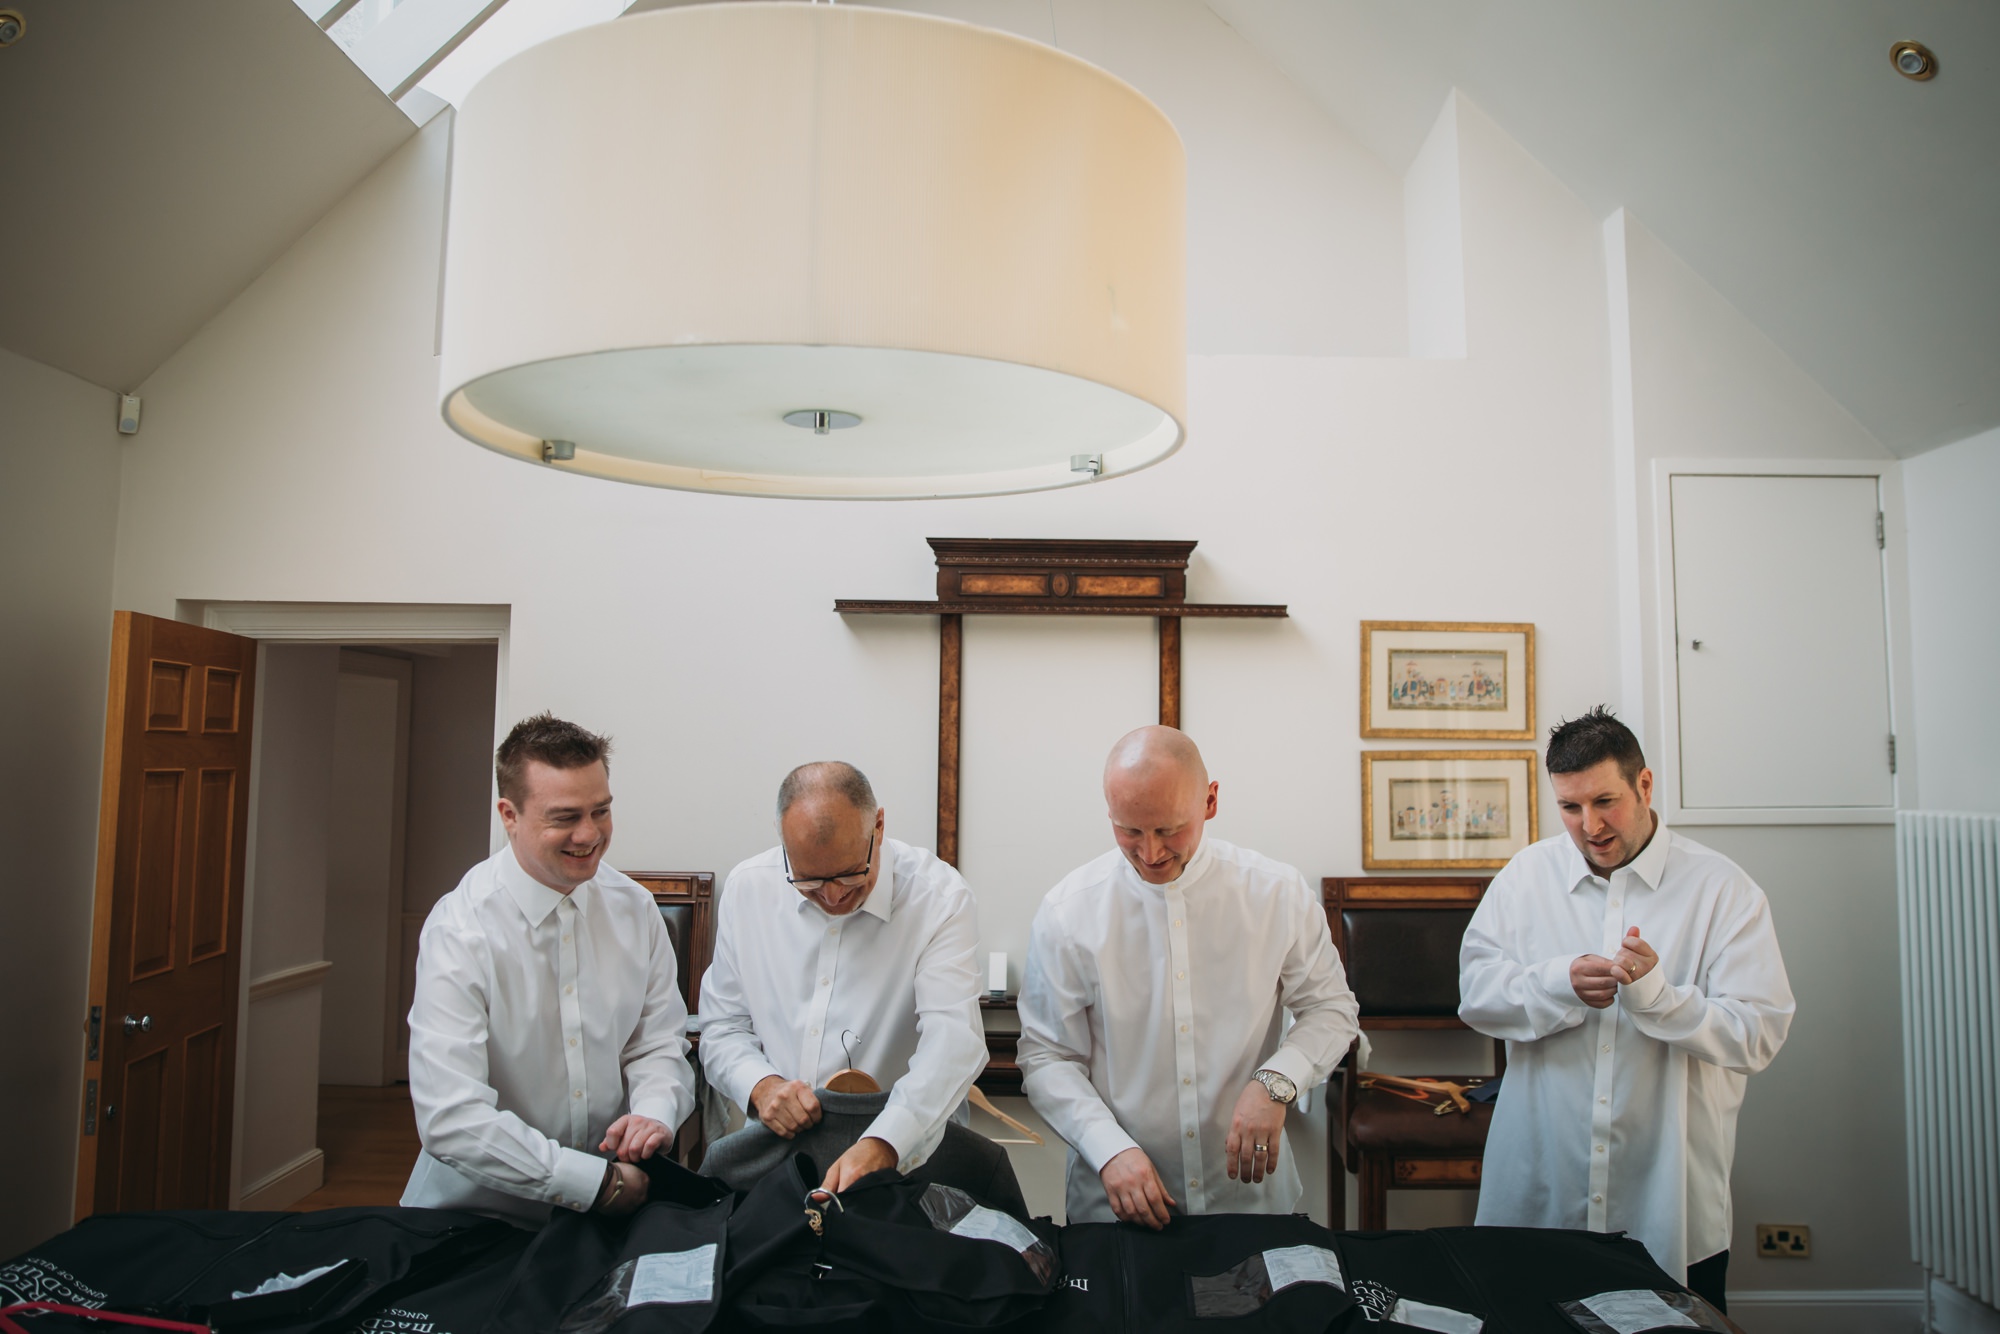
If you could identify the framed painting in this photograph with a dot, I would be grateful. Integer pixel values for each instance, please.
(1462, 680)
(1446, 810)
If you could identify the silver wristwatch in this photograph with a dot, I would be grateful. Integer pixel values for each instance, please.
(1281, 1088)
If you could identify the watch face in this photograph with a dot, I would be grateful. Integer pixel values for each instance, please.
(1279, 1087)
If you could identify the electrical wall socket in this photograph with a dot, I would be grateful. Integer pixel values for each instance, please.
(1784, 1241)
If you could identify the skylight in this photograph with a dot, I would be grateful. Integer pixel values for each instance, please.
(424, 54)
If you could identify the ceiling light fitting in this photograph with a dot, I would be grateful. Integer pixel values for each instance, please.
(1913, 60)
(12, 26)
(670, 230)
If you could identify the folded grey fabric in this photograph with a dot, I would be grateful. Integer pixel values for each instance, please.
(963, 1158)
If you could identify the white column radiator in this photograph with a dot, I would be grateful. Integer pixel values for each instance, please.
(1948, 893)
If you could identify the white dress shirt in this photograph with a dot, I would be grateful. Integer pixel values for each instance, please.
(897, 976)
(1623, 1119)
(539, 1019)
(1145, 1010)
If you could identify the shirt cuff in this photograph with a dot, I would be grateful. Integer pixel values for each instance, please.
(899, 1128)
(1100, 1144)
(1293, 1066)
(1553, 975)
(750, 1083)
(577, 1179)
(1646, 993)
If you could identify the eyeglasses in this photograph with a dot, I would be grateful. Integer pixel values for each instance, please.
(852, 880)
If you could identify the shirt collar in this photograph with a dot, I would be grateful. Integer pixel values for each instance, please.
(881, 900)
(1648, 866)
(1189, 877)
(535, 899)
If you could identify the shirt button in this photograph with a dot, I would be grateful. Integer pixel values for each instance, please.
(1177, 921)
(823, 982)
(1605, 1047)
(561, 1200)
(1600, 1148)
(572, 1042)
(1190, 1134)
(568, 990)
(1194, 1183)
(1597, 1199)
(565, 940)
(1183, 1028)
(1602, 1101)
(1180, 975)
(812, 1032)
(1187, 1081)
(576, 1093)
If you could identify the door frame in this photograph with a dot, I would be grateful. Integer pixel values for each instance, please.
(1887, 476)
(388, 624)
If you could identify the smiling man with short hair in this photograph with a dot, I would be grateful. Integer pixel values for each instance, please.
(842, 946)
(1636, 977)
(1152, 1011)
(547, 1025)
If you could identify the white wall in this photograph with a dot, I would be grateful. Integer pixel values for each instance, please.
(451, 790)
(285, 921)
(364, 872)
(59, 457)
(1950, 498)
(1706, 383)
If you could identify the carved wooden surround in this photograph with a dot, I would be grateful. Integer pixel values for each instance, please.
(984, 576)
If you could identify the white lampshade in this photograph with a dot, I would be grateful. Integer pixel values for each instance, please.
(669, 231)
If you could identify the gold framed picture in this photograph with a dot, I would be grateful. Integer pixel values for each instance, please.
(1446, 810)
(1457, 680)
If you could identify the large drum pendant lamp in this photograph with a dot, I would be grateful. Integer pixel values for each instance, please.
(789, 249)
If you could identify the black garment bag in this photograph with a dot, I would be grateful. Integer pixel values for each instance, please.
(243, 1273)
(1207, 1272)
(661, 1270)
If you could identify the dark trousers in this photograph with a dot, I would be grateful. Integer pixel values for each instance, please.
(1709, 1280)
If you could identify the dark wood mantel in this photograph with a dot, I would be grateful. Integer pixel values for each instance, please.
(990, 576)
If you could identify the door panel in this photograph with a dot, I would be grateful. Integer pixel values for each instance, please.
(200, 1144)
(215, 808)
(141, 1113)
(159, 865)
(1783, 643)
(167, 931)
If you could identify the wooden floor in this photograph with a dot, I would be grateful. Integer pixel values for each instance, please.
(369, 1137)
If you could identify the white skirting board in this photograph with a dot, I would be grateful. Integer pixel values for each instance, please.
(1829, 1311)
(286, 1186)
(1955, 1312)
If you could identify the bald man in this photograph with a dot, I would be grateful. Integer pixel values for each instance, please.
(842, 946)
(1152, 1007)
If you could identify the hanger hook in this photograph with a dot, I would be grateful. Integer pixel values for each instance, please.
(845, 1053)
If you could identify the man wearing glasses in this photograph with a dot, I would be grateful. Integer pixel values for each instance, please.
(842, 947)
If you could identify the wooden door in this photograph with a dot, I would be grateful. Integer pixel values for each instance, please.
(160, 1058)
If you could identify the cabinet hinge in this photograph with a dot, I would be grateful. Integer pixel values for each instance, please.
(1881, 537)
(90, 1107)
(93, 1029)
(1892, 752)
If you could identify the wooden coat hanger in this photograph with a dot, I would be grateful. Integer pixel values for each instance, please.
(979, 1099)
(851, 1080)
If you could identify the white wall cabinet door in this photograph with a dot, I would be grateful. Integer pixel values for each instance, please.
(1782, 658)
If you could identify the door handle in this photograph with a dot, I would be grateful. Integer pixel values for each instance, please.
(143, 1024)
(1696, 644)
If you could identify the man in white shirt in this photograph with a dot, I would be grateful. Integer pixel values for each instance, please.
(547, 1020)
(1152, 1009)
(1636, 977)
(844, 947)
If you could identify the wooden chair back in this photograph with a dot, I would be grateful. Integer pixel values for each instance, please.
(687, 905)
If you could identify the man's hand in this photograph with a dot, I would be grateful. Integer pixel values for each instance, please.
(1635, 958)
(634, 1137)
(1595, 980)
(1136, 1192)
(785, 1106)
(867, 1155)
(1252, 1146)
(627, 1197)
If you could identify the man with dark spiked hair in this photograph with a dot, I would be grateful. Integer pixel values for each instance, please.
(1636, 977)
(547, 1027)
